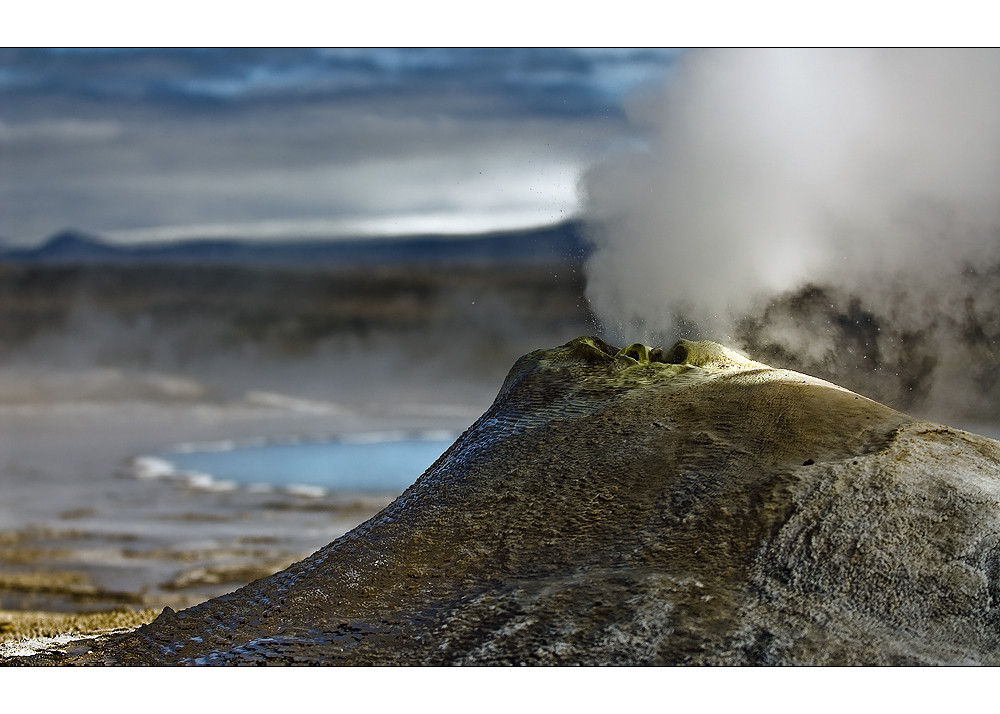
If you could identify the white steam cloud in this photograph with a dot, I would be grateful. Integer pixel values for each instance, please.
(766, 170)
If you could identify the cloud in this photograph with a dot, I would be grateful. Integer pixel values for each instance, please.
(59, 131)
(524, 80)
(319, 167)
(146, 142)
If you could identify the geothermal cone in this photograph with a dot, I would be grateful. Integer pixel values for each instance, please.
(638, 506)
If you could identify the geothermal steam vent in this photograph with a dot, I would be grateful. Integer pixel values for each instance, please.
(637, 506)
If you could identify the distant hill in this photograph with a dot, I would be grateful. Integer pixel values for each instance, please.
(555, 244)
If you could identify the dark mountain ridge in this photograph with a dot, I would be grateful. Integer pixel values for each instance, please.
(562, 242)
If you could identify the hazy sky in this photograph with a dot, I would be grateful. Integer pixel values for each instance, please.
(156, 144)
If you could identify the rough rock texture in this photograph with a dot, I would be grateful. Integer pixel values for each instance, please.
(642, 507)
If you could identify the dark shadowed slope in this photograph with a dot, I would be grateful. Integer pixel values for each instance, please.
(642, 507)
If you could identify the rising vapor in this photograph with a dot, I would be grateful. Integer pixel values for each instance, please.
(767, 169)
(871, 176)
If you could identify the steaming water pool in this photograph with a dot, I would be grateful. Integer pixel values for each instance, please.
(372, 463)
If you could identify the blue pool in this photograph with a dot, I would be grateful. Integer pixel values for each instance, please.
(371, 464)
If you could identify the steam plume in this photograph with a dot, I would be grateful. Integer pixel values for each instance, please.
(767, 170)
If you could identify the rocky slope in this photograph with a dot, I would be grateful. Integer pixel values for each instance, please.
(638, 506)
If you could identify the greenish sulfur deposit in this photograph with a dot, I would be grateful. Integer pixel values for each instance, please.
(642, 506)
